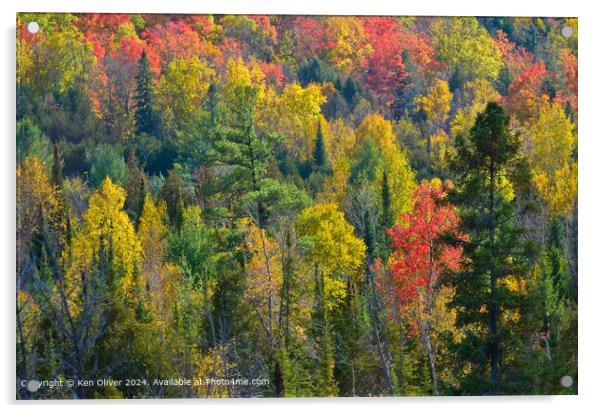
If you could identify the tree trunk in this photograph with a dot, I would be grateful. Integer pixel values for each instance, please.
(270, 290)
(384, 354)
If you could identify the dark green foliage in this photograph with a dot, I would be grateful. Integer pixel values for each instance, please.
(387, 214)
(64, 115)
(135, 186)
(366, 165)
(227, 302)
(273, 200)
(157, 156)
(385, 220)
(494, 249)
(237, 143)
(106, 160)
(173, 194)
(351, 91)
(403, 102)
(57, 167)
(146, 117)
(314, 70)
(321, 332)
(549, 316)
(31, 142)
(336, 106)
(74, 159)
(320, 156)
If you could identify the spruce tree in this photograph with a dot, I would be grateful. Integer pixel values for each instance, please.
(386, 219)
(494, 247)
(321, 162)
(387, 216)
(146, 118)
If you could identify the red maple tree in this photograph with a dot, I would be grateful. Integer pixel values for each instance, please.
(419, 258)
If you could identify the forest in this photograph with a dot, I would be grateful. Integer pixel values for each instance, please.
(295, 206)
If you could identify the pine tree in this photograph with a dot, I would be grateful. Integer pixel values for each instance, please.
(321, 162)
(387, 214)
(146, 118)
(385, 220)
(369, 235)
(493, 248)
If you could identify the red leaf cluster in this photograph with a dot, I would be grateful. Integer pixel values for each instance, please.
(419, 258)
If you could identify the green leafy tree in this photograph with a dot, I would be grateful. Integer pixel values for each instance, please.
(334, 254)
(31, 142)
(106, 161)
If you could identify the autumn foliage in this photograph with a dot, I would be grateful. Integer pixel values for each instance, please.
(419, 256)
(334, 205)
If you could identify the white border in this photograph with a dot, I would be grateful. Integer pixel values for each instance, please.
(590, 179)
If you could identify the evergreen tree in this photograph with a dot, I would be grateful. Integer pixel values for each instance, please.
(235, 142)
(172, 192)
(494, 248)
(546, 352)
(321, 162)
(369, 235)
(385, 220)
(146, 118)
(350, 91)
(387, 214)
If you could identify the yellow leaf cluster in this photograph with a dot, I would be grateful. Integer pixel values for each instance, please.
(401, 179)
(335, 186)
(436, 104)
(182, 88)
(209, 365)
(352, 46)
(462, 42)
(152, 231)
(294, 113)
(239, 75)
(35, 195)
(378, 128)
(334, 247)
(264, 265)
(551, 141)
(475, 96)
(105, 227)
